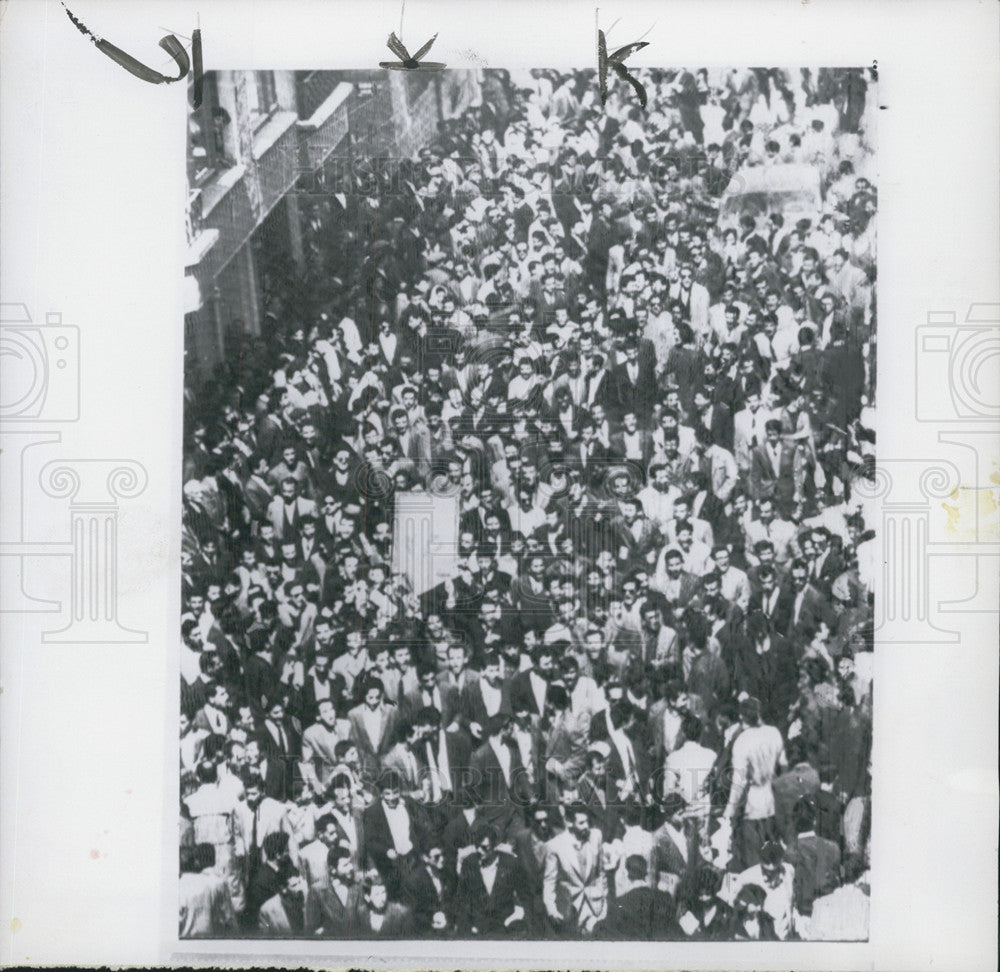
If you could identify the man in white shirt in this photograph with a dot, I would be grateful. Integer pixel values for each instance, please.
(734, 585)
(192, 645)
(575, 884)
(758, 753)
(658, 497)
(777, 878)
(767, 526)
(697, 557)
(749, 430)
(842, 915)
(524, 383)
(318, 745)
(687, 768)
(701, 529)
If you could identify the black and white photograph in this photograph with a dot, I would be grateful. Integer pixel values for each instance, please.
(527, 557)
(499, 485)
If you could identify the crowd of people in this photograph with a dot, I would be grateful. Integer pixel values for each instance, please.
(640, 707)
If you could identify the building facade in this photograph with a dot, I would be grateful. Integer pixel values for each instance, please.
(262, 142)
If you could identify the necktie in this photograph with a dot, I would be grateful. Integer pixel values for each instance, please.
(435, 779)
(444, 768)
(633, 774)
(529, 769)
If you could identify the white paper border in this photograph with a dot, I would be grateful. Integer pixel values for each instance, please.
(92, 168)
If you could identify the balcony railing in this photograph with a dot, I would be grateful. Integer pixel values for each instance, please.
(327, 127)
(312, 88)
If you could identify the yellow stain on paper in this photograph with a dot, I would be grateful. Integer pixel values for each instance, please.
(974, 514)
(15, 925)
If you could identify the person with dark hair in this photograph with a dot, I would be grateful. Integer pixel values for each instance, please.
(751, 923)
(378, 914)
(640, 912)
(282, 915)
(260, 816)
(484, 697)
(575, 885)
(330, 909)
(319, 743)
(405, 759)
(265, 881)
(394, 827)
(491, 900)
(816, 860)
(842, 915)
(205, 904)
(373, 724)
(347, 815)
(500, 777)
(702, 915)
(777, 878)
(279, 744)
(429, 889)
(764, 668)
(758, 753)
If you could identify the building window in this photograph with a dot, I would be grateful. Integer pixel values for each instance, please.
(207, 135)
(262, 97)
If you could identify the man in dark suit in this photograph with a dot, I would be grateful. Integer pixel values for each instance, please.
(282, 914)
(774, 602)
(394, 829)
(632, 444)
(685, 365)
(490, 897)
(600, 384)
(764, 666)
(634, 382)
(589, 457)
(815, 859)
(413, 441)
(772, 470)
(330, 909)
(715, 417)
(827, 564)
(502, 781)
(373, 725)
(430, 891)
(260, 675)
(484, 697)
(266, 879)
(531, 848)
(376, 916)
(808, 607)
(642, 913)
(529, 687)
(279, 746)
